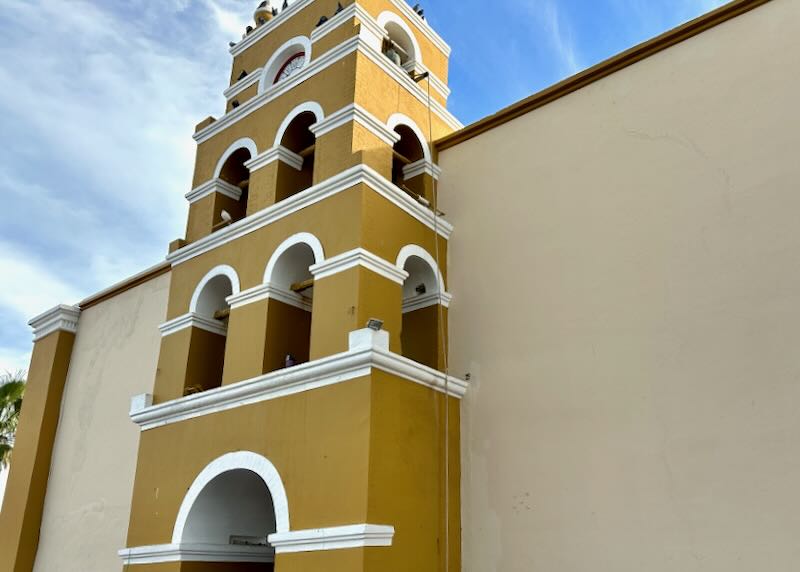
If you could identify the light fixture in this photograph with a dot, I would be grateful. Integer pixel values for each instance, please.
(375, 324)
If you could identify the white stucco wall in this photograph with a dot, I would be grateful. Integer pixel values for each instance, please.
(625, 268)
(88, 498)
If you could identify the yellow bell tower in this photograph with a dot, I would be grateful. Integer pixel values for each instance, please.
(301, 417)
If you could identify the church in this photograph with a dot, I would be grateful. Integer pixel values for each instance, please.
(562, 338)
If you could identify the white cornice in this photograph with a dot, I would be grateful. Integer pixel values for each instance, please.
(265, 29)
(422, 25)
(335, 21)
(358, 174)
(355, 112)
(279, 153)
(268, 291)
(214, 186)
(192, 320)
(349, 46)
(359, 361)
(422, 166)
(425, 300)
(60, 318)
(238, 87)
(332, 538)
(158, 553)
(358, 257)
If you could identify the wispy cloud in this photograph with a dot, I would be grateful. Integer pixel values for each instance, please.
(559, 34)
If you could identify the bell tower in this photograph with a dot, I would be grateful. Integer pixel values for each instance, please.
(301, 417)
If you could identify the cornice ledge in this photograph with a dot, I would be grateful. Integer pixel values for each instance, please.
(355, 112)
(423, 26)
(241, 85)
(268, 291)
(423, 166)
(358, 257)
(59, 318)
(214, 186)
(332, 538)
(157, 553)
(346, 179)
(277, 153)
(265, 29)
(368, 351)
(425, 300)
(192, 320)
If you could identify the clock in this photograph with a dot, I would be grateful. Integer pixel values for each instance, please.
(292, 65)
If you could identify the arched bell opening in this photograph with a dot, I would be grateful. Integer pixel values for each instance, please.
(231, 519)
(424, 322)
(290, 306)
(297, 174)
(207, 345)
(407, 151)
(235, 173)
(399, 43)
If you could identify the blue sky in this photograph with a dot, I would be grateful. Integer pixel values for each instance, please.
(99, 100)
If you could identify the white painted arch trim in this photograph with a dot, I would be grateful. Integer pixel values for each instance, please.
(230, 462)
(221, 270)
(311, 106)
(299, 238)
(388, 17)
(279, 57)
(410, 250)
(243, 143)
(397, 119)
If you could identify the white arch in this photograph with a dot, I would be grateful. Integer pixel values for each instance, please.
(401, 119)
(243, 143)
(221, 270)
(415, 250)
(287, 49)
(299, 238)
(311, 106)
(388, 17)
(231, 462)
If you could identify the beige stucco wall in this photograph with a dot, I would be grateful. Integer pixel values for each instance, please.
(626, 279)
(89, 492)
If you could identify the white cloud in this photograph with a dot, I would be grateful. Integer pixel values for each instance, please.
(560, 37)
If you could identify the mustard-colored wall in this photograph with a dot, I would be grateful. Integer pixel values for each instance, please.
(288, 332)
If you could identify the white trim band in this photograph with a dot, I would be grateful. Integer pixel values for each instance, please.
(332, 538)
(425, 300)
(192, 320)
(358, 174)
(268, 291)
(158, 553)
(59, 318)
(423, 166)
(214, 186)
(278, 153)
(367, 353)
(358, 257)
(355, 112)
(239, 86)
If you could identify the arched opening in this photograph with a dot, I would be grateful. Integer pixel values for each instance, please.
(291, 300)
(207, 345)
(399, 44)
(423, 291)
(229, 511)
(291, 57)
(407, 151)
(297, 175)
(231, 169)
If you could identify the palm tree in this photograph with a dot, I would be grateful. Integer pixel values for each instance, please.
(12, 387)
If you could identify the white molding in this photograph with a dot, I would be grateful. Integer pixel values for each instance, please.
(243, 143)
(59, 318)
(269, 291)
(158, 553)
(332, 538)
(306, 106)
(389, 17)
(192, 320)
(278, 153)
(278, 58)
(265, 29)
(359, 361)
(298, 238)
(214, 186)
(410, 250)
(358, 174)
(335, 21)
(247, 460)
(239, 86)
(423, 166)
(221, 270)
(358, 257)
(397, 119)
(349, 46)
(422, 25)
(358, 114)
(425, 300)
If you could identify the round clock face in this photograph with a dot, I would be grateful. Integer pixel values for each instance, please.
(292, 65)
